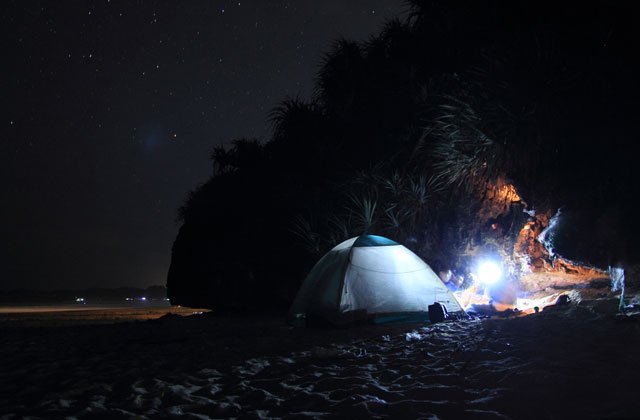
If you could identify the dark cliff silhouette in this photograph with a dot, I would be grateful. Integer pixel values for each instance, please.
(406, 134)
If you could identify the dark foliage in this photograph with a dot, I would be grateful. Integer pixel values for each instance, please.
(407, 134)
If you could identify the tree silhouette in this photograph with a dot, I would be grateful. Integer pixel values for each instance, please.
(455, 119)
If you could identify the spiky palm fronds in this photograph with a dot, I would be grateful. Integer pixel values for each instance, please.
(395, 217)
(394, 44)
(293, 116)
(302, 229)
(419, 10)
(240, 153)
(418, 190)
(460, 148)
(339, 230)
(394, 184)
(220, 159)
(500, 122)
(366, 182)
(339, 77)
(363, 212)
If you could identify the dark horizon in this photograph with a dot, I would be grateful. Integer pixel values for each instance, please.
(113, 108)
(91, 295)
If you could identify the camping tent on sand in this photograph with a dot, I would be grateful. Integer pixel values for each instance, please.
(369, 278)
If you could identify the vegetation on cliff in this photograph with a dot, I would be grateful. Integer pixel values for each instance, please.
(449, 131)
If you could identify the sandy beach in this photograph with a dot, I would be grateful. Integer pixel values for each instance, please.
(64, 315)
(575, 361)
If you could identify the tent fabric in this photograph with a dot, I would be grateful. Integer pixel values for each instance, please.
(373, 240)
(369, 275)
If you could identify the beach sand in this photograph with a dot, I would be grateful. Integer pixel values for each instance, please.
(65, 315)
(577, 361)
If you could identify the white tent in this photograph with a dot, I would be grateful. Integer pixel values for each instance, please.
(369, 277)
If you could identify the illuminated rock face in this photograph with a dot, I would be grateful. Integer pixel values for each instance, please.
(528, 246)
(498, 199)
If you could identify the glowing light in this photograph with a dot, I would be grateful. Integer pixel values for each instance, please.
(527, 306)
(489, 272)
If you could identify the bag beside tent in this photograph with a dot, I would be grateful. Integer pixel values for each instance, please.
(369, 278)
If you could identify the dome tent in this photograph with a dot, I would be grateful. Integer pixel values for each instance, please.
(369, 277)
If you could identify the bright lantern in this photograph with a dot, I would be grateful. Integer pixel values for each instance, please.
(489, 272)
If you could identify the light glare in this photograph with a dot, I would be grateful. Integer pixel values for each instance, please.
(489, 272)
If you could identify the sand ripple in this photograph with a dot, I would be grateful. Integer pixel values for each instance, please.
(533, 367)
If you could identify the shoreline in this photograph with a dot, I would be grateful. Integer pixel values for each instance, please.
(58, 316)
(50, 308)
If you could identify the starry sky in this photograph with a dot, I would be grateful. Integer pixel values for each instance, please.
(110, 110)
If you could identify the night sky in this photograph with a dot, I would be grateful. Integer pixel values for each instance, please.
(111, 110)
